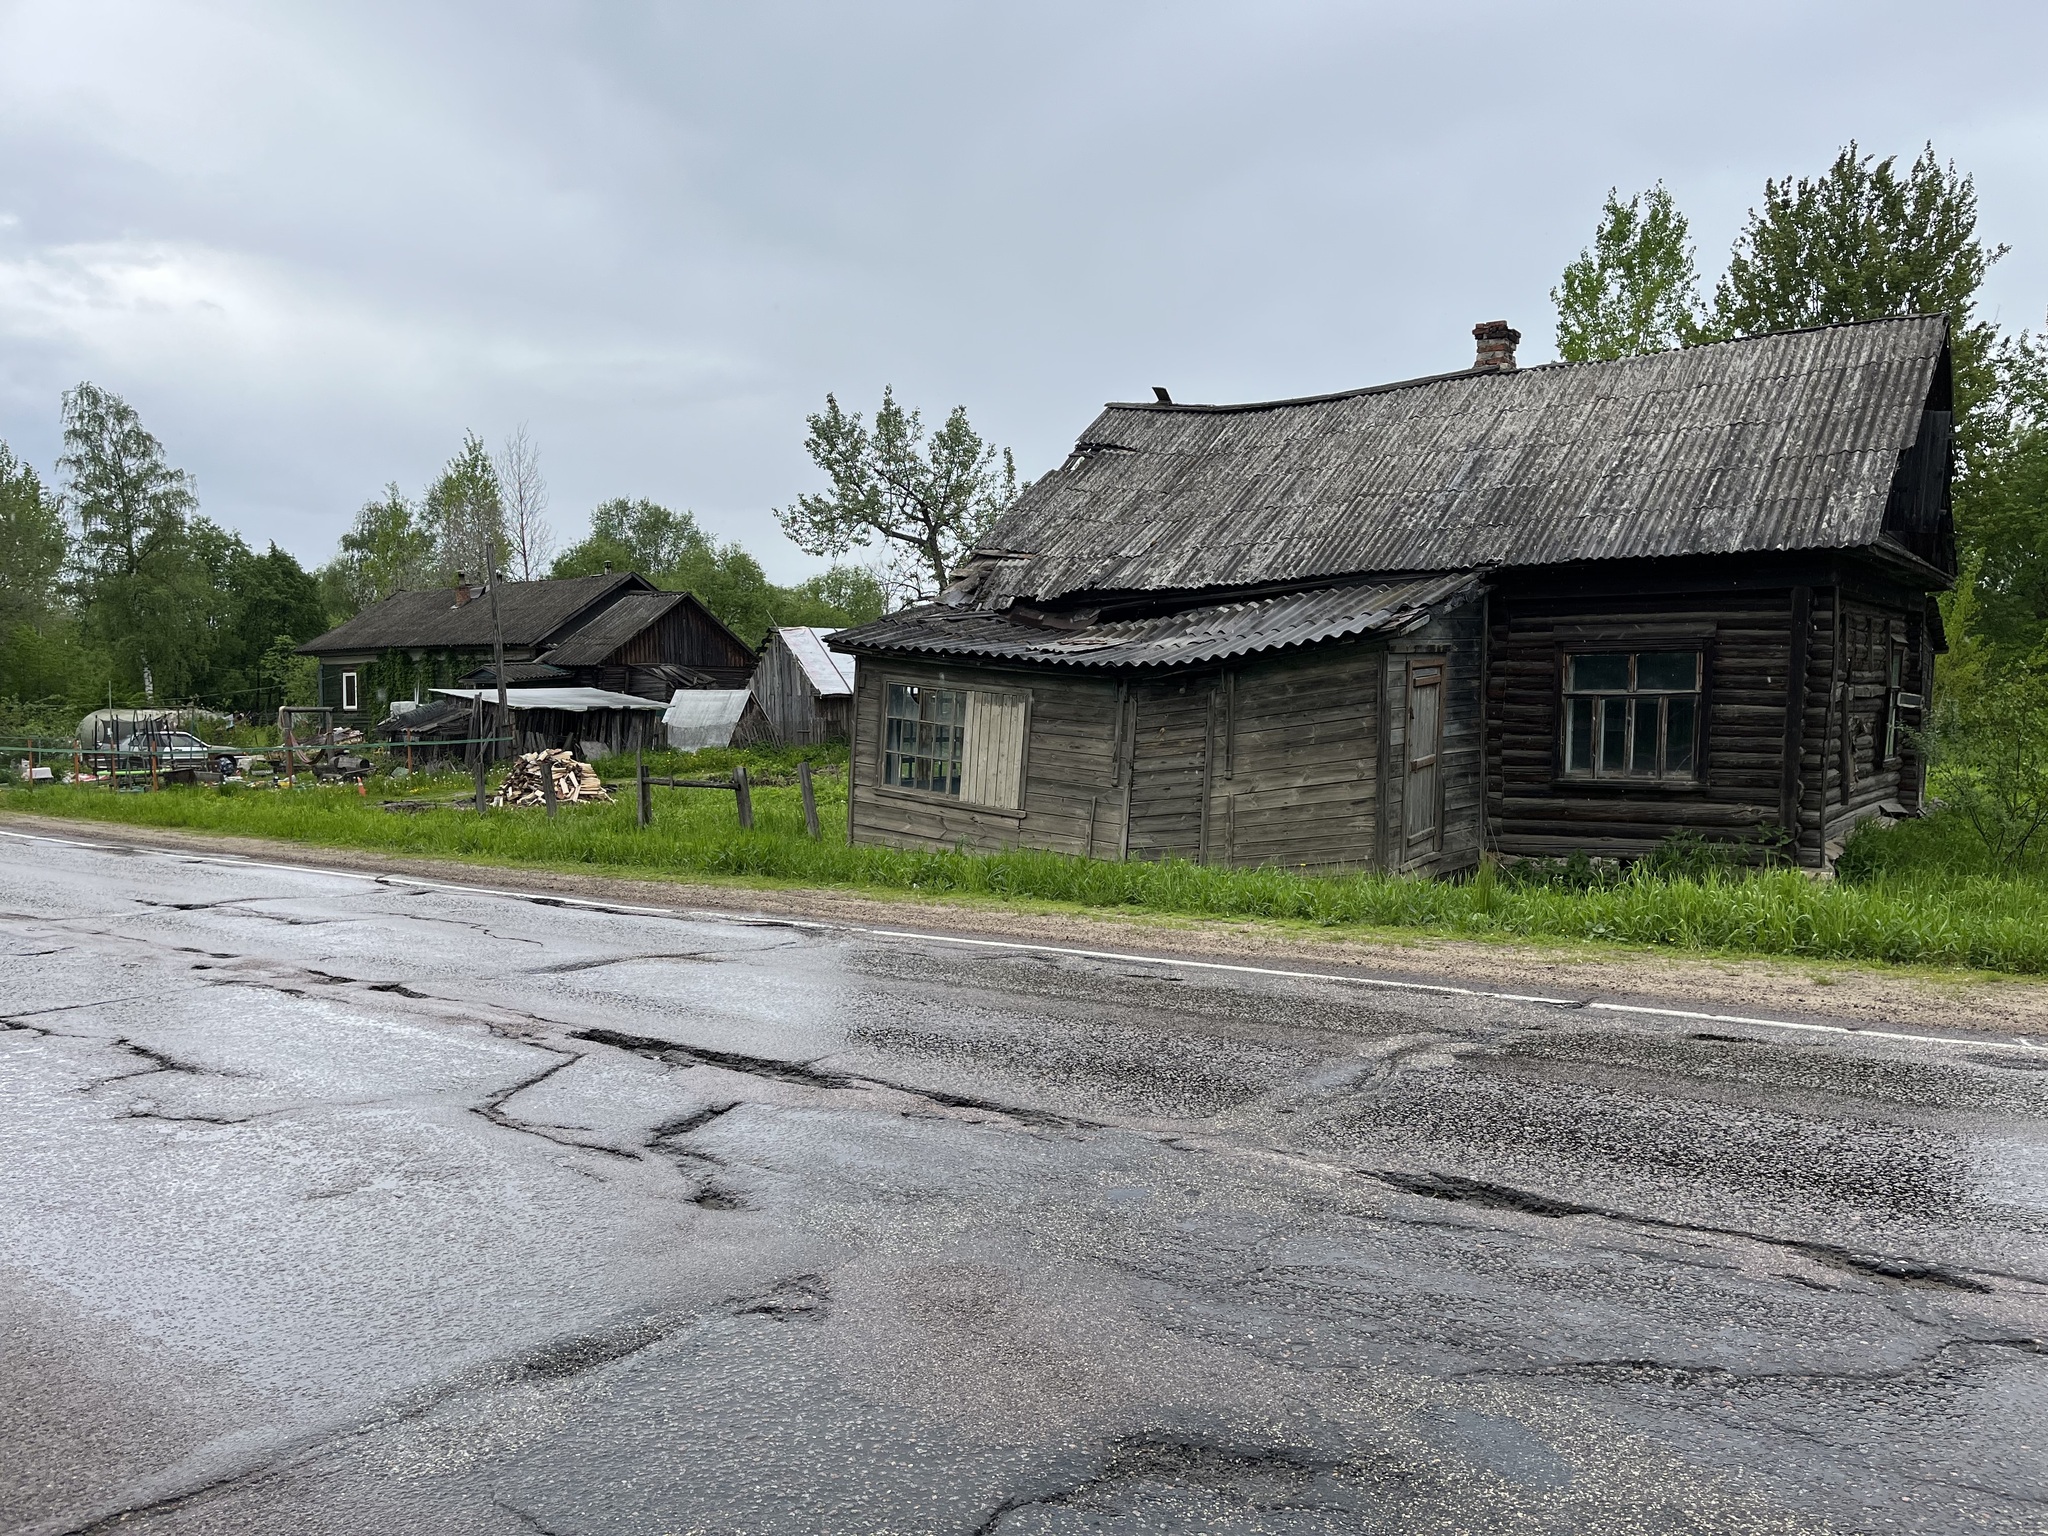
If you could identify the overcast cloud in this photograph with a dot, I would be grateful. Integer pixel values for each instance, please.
(313, 245)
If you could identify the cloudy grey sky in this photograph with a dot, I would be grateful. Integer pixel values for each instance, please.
(313, 244)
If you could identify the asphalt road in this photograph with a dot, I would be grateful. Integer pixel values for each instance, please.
(338, 1204)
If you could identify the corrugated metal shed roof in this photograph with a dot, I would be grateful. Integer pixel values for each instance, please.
(580, 700)
(1214, 632)
(591, 643)
(828, 674)
(1772, 442)
(531, 612)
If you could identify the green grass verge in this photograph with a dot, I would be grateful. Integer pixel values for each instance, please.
(1928, 917)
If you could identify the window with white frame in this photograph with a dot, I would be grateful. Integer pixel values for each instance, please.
(348, 690)
(1632, 715)
(966, 744)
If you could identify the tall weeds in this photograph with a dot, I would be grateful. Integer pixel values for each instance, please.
(1980, 921)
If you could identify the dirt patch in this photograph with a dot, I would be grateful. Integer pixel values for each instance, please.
(1871, 997)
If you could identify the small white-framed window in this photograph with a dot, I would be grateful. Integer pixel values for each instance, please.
(1632, 715)
(348, 691)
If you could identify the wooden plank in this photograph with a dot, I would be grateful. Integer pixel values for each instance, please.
(1795, 708)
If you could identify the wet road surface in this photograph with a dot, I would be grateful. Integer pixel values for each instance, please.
(337, 1203)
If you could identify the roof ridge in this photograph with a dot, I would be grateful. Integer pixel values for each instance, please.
(1196, 408)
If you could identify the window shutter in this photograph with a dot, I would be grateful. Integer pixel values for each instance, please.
(993, 771)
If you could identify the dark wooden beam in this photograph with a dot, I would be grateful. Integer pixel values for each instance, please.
(1795, 711)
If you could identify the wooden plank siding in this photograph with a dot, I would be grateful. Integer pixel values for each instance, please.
(1269, 761)
(796, 712)
(1169, 766)
(1774, 747)
(1070, 804)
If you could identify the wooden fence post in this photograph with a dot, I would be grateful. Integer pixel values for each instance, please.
(745, 799)
(803, 782)
(643, 808)
(547, 785)
(477, 767)
(31, 764)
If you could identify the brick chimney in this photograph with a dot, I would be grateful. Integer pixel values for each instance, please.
(462, 592)
(1496, 340)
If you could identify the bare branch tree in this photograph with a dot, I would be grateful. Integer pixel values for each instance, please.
(531, 541)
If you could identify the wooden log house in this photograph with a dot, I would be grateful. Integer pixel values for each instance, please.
(1542, 610)
(613, 632)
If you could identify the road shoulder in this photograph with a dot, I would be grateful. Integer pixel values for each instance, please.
(1817, 990)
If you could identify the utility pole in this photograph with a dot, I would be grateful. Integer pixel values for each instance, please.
(497, 638)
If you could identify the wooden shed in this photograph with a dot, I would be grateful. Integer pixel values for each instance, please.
(1530, 610)
(805, 689)
(590, 722)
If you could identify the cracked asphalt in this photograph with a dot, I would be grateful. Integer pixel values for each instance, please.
(336, 1203)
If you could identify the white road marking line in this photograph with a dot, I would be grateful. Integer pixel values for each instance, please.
(2022, 1043)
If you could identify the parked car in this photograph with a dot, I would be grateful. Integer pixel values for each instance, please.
(174, 753)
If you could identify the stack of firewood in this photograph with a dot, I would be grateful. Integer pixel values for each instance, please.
(576, 783)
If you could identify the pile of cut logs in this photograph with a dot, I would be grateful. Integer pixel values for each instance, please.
(576, 783)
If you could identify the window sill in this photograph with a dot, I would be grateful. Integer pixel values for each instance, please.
(1625, 786)
(926, 797)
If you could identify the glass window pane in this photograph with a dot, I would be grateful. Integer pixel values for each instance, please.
(1643, 758)
(1579, 743)
(1673, 671)
(1613, 735)
(1678, 737)
(1591, 673)
(901, 701)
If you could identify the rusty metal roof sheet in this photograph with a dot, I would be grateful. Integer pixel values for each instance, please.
(1191, 636)
(1769, 443)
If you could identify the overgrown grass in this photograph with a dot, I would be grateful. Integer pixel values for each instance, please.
(1900, 909)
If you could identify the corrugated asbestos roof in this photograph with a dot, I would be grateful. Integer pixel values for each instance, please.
(1773, 442)
(579, 700)
(1211, 633)
(828, 675)
(593, 642)
(531, 612)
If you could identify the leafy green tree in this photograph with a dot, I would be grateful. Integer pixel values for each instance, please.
(465, 509)
(295, 679)
(34, 544)
(388, 549)
(672, 550)
(636, 535)
(148, 574)
(268, 595)
(1990, 756)
(2002, 501)
(129, 502)
(834, 599)
(1863, 242)
(922, 500)
(1635, 289)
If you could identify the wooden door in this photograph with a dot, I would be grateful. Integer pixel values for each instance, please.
(1423, 799)
(1169, 770)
